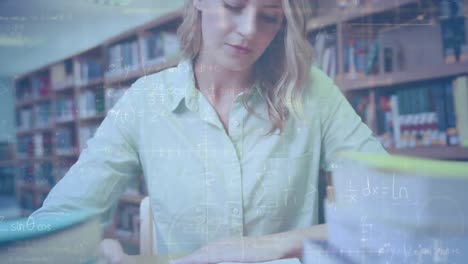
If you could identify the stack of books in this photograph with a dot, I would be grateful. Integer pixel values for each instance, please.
(396, 209)
(64, 237)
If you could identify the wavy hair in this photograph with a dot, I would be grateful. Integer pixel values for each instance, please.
(282, 72)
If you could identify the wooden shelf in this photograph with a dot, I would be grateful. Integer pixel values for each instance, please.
(70, 154)
(24, 103)
(64, 88)
(391, 79)
(94, 82)
(125, 76)
(342, 15)
(32, 101)
(22, 132)
(96, 118)
(65, 121)
(140, 72)
(32, 131)
(164, 19)
(43, 99)
(443, 153)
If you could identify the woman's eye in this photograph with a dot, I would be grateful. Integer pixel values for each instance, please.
(270, 19)
(233, 8)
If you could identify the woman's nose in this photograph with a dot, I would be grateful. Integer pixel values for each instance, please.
(247, 23)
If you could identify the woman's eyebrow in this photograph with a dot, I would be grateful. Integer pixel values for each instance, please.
(271, 6)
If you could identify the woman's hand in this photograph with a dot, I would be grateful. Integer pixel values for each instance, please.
(256, 249)
(236, 249)
(111, 252)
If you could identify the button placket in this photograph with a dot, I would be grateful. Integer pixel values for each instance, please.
(235, 211)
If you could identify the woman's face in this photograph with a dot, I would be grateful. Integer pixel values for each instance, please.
(237, 32)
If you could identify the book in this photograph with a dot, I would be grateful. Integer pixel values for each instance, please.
(325, 52)
(460, 95)
(7, 181)
(65, 143)
(62, 75)
(395, 117)
(453, 32)
(451, 129)
(159, 46)
(88, 69)
(57, 238)
(65, 109)
(91, 103)
(23, 90)
(122, 58)
(24, 119)
(42, 112)
(395, 208)
(111, 96)
(40, 86)
(85, 133)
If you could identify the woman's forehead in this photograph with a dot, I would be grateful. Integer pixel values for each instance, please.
(262, 3)
(269, 3)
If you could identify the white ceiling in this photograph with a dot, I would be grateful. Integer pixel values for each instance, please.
(37, 32)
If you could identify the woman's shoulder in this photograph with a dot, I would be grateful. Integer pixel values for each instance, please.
(157, 79)
(160, 84)
(320, 86)
(159, 91)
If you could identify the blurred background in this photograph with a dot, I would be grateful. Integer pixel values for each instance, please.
(403, 65)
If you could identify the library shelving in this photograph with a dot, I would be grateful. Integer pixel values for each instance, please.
(403, 65)
(358, 43)
(60, 106)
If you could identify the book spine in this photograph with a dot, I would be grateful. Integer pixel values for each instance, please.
(395, 115)
(461, 108)
(450, 116)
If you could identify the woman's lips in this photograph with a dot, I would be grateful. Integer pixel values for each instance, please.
(240, 49)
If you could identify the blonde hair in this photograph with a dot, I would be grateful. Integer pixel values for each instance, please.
(281, 72)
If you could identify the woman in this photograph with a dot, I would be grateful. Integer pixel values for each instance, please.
(230, 141)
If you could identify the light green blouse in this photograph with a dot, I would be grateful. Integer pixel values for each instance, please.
(205, 184)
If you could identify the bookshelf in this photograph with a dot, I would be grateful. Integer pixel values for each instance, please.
(79, 90)
(7, 170)
(60, 106)
(405, 51)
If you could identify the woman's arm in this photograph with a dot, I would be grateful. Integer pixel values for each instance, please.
(256, 249)
(341, 127)
(96, 181)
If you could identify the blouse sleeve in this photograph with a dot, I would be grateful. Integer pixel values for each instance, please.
(342, 128)
(104, 168)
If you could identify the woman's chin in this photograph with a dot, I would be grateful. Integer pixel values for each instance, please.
(236, 64)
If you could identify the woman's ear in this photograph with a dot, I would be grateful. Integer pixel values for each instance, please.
(199, 4)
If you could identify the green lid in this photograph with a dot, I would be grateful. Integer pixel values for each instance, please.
(411, 165)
